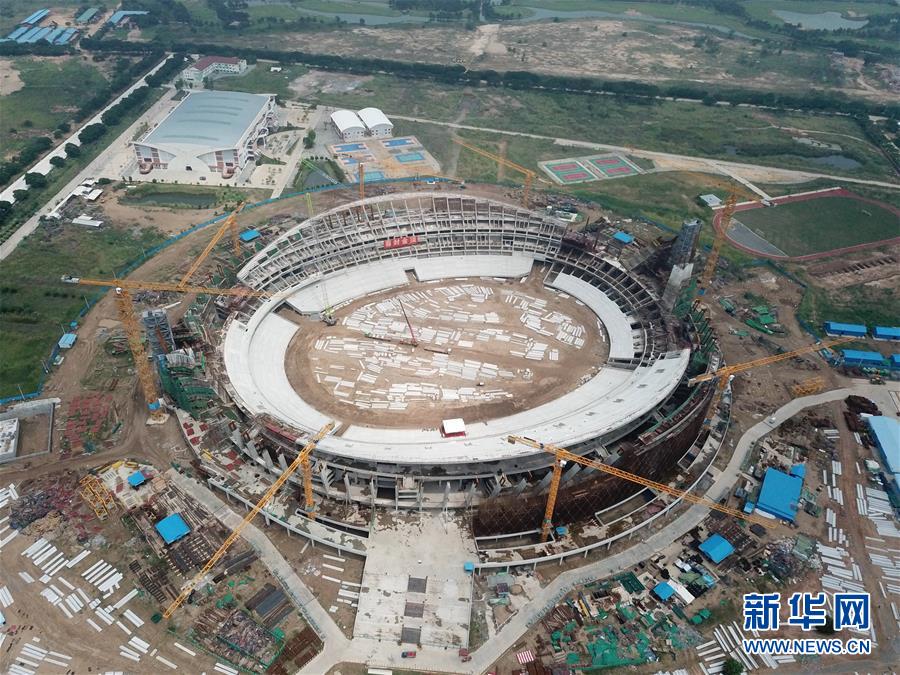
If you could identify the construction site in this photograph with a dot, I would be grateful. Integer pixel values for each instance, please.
(443, 423)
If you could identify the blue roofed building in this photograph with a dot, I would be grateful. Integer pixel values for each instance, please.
(36, 18)
(249, 235)
(172, 528)
(663, 591)
(67, 341)
(886, 333)
(895, 361)
(67, 35)
(857, 357)
(886, 434)
(88, 15)
(137, 479)
(780, 494)
(716, 548)
(209, 131)
(18, 32)
(623, 237)
(122, 16)
(799, 470)
(849, 329)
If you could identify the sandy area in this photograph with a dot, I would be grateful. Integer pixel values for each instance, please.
(314, 366)
(9, 77)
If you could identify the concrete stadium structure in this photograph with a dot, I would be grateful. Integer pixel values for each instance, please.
(636, 411)
(209, 131)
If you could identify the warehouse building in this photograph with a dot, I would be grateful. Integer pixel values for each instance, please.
(348, 125)
(849, 329)
(368, 122)
(194, 74)
(209, 131)
(856, 357)
(887, 333)
(377, 123)
(780, 494)
(886, 434)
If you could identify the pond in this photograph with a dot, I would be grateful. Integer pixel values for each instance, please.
(837, 162)
(820, 21)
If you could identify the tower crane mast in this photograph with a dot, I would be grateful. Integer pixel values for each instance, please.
(303, 456)
(528, 173)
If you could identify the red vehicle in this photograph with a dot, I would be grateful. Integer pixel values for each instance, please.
(408, 655)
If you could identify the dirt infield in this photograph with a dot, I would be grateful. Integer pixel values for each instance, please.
(812, 231)
(487, 349)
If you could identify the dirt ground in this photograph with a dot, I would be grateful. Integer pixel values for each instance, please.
(590, 47)
(33, 435)
(9, 77)
(549, 379)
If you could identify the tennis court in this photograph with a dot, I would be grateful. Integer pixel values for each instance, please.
(350, 147)
(571, 170)
(407, 157)
(398, 142)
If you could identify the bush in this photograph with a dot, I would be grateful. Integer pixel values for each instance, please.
(57, 161)
(35, 180)
(72, 150)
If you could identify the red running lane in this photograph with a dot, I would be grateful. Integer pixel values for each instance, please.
(787, 199)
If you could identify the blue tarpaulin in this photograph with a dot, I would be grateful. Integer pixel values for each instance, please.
(172, 528)
(717, 548)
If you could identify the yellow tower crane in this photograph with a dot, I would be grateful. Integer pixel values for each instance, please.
(562, 456)
(302, 459)
(528, 173)
(709, 270)
(229, 224)
(722, 375)
(133, 331)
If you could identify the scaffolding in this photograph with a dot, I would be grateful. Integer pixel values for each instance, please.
(183, 378)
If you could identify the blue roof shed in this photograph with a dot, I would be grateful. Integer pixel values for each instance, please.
(663, 591)
(717, 548)
(18, 32)
(886, 433)
(624, 237)
(172, 528)
(249, 235)
(851, 329)
(780, 494)
(87, 15)
(895, 361)
(136, 479)
(67, 340)
(886, 332)
(799, 470)
(857, 357)
(37, 17)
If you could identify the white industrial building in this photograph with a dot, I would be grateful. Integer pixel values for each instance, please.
(194, 74)
(377, 123)
(368, 122)
(209, 131)
(348, 125)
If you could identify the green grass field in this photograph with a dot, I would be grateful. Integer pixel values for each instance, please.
(720, 132)
(260, 80)
(51, 91)
(814, 226)
(856, 304)
(35, 305)
(190, 196)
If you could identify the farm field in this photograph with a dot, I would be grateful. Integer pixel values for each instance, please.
(818, 225)
(260, 80)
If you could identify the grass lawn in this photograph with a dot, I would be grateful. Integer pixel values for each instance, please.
(684, 128)
(856, 304)
(259, 80)
(820, 225)
(35, 304)
(52, 90)
(190, 196)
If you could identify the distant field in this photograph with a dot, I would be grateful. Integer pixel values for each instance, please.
(815, 226)
(189, 196)
(260, 80)
(51, 90)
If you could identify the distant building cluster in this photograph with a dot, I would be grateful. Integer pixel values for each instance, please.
(209, 131)
(367, 123)
(195, 74)
(30, 31)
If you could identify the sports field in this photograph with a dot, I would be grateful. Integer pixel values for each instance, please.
(585, 169)
(807, 227)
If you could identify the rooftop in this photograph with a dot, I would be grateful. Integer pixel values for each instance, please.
(717, 548)
(136, 479)
(887, 435)
(209, 119)
(207, 61)
(780, 494)
(346, 119)
(172, 528)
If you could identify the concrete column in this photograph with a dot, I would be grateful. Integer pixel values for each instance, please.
(282, 462)
(347, 488)
(520, 486)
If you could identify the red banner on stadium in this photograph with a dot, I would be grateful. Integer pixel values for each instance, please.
(400, 242)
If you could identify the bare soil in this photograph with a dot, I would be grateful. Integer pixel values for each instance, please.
(9, 77)
(550, 380)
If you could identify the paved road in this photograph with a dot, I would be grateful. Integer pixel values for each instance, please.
(696, 163)
(43, 166)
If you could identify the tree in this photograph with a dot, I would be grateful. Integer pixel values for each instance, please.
(20, 195)
(310, 139)
(92, 132)
(35, 180)
(732, 667)
(57, 161)
(72, 150)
